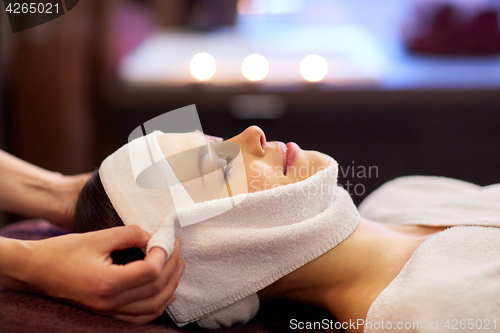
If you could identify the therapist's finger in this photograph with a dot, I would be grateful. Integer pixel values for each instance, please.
(150, 305)
(144, 318)
(138, 319)
(161, 289)
(119, 238)
(142, 272)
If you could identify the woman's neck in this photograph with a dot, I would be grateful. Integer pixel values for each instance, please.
(348, 278)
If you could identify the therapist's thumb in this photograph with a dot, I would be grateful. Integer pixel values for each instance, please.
(121, 238)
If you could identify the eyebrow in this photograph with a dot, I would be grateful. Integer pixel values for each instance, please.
(203, 152)
(201, 156)
(200, 161)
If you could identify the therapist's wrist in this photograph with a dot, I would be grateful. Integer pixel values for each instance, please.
(14, 263)
(64, 191)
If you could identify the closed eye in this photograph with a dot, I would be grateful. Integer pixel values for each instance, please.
(223, 154)
(229, 166)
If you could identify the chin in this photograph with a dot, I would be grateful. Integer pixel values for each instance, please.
(308, 162)
(318, 158)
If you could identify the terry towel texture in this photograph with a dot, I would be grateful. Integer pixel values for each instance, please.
(231, 256)
(453, 275)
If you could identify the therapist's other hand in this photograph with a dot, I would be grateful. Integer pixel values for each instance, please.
(78, 268)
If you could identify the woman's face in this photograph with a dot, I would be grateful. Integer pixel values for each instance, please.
(271, 164)
(267, 164)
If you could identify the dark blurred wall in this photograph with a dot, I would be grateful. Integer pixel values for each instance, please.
(50, 111)
(4, 49)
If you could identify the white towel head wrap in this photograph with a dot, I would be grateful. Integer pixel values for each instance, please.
(229, 256)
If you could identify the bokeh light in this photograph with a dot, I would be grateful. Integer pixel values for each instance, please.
(202, 66)
(313, 68)
(255, 67)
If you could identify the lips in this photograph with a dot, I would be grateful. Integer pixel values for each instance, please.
(283, 150)
(291, 154)
(288, 154)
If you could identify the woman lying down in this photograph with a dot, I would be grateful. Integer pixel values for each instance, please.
(422, 254)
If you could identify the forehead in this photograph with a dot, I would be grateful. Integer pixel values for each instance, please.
(173, 143)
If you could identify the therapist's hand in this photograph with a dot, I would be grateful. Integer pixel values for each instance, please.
(78, 268)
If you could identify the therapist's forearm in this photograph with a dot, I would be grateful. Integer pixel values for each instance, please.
(13, 261)
(32, 191)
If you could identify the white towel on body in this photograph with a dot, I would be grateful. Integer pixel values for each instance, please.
(452, 281)
(434, 201)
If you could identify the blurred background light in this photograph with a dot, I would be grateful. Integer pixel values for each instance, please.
(202, 66)
(313, 68)
(261, 7)
(255, 67)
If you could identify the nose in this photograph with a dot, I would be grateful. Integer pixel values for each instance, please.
(252, 140)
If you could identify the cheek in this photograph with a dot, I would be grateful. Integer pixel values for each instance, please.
(254, 169)
(261, 176)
